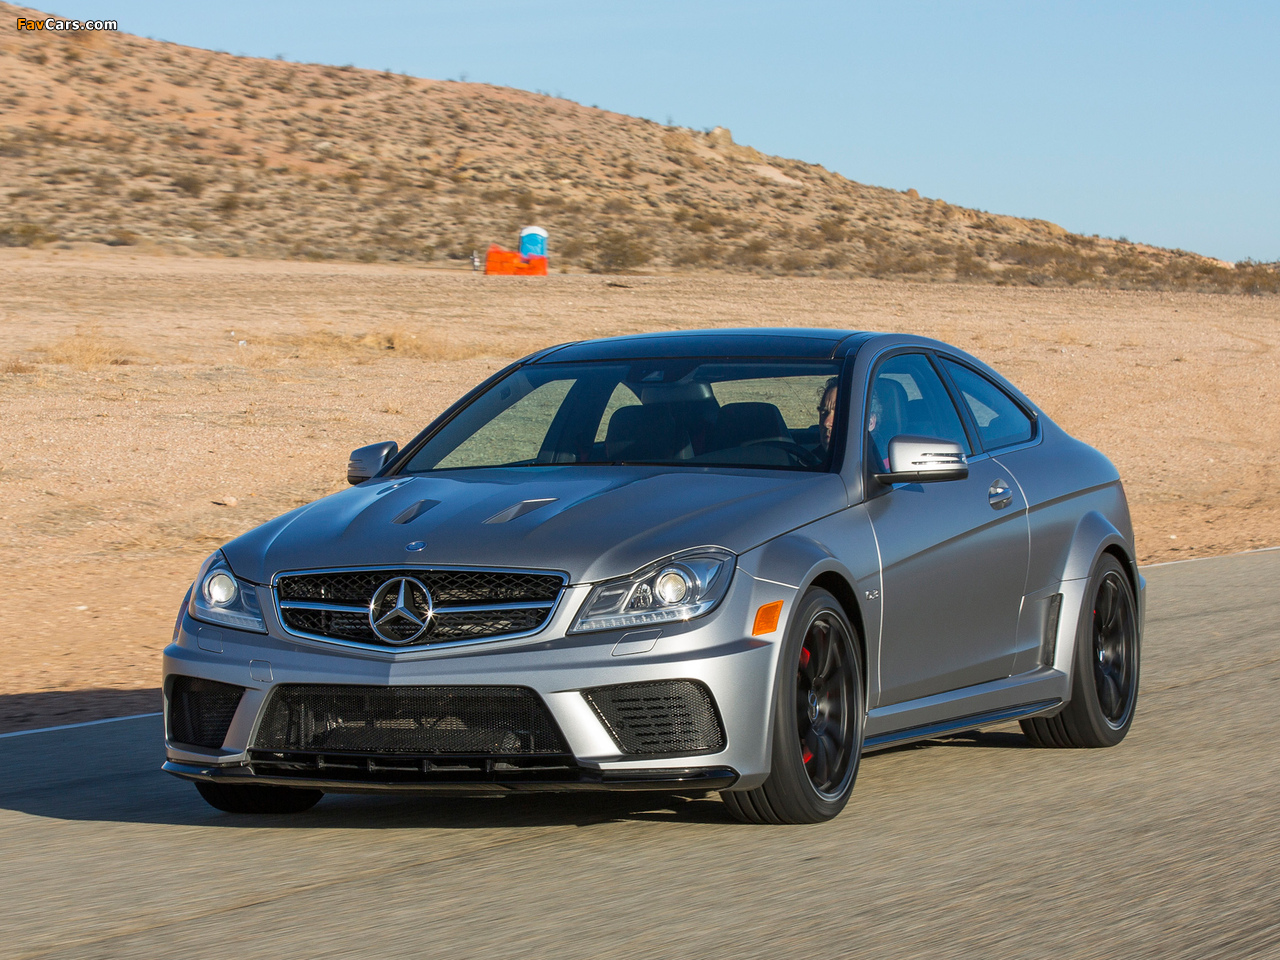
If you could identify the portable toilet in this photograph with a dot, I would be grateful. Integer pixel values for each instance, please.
(533, 242)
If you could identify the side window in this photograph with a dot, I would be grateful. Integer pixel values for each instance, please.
(907, 397)
(1001, 422)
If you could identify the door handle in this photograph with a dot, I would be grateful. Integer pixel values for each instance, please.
(999, 495)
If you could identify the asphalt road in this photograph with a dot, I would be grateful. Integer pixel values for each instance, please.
(1166, 846)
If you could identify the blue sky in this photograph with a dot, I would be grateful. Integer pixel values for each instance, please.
(1157, 121)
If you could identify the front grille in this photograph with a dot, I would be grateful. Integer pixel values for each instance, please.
(421, 722)
(467, 604)
(660, 717)
(200, 711)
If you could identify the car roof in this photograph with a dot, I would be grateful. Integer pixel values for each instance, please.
(780, 342)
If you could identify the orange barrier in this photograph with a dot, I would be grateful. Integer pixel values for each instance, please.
(509, 263)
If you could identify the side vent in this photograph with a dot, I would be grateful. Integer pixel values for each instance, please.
(1049, 642)
(519, 509)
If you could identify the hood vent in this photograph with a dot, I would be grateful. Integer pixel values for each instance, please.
(415, 511)
(520, 509)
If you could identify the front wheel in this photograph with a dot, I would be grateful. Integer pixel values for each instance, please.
(257, 798)
(1104, 690)
(818, 717)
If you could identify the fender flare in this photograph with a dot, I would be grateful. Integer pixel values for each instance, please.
(1094, 535)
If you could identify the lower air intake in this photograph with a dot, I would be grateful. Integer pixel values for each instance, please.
(200, 711)
(661, 717)
(422, 721)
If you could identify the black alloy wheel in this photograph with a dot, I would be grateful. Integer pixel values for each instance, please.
(1104, 688)
(824, 704)
(819, 714)
(1115, 648)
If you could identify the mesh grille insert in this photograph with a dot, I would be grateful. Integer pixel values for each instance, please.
(661, 717)
(446, 586)
(335, 604)
(422, 721)
(200, 711)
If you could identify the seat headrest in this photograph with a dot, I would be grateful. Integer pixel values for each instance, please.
(741, 423)
(646, 432)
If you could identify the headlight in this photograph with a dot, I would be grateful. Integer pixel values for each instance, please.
(682, 587)
(218, 597)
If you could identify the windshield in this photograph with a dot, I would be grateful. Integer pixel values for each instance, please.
(684, 412)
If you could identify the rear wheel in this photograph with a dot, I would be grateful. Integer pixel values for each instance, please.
(1104, 690)
(254, 798)
(819, 712)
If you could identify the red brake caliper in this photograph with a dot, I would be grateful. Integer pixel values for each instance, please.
(805, 753)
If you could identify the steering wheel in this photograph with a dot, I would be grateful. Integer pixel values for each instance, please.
(804, 456)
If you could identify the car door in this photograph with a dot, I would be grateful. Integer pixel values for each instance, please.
(953, 553)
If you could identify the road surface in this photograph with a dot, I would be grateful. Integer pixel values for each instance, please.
(1166, 846)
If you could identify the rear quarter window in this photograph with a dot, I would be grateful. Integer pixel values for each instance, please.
(1001, 422)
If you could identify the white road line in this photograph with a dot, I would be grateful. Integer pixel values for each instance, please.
(1224, 556)
(72, 726)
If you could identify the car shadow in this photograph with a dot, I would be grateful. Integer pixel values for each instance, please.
(52, 708)
(110, 772)
(984, 739)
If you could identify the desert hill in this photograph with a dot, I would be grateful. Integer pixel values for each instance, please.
(112, 138)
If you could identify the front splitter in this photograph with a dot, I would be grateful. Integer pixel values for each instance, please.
(661, 780)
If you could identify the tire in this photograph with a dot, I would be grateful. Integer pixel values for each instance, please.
(1104, 689)
(818, 718)
(251, 798)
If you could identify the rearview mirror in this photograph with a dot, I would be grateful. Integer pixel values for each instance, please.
(367, 461)
(924, 460)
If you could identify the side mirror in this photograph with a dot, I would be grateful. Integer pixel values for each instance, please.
(924, 460)
(367, 461)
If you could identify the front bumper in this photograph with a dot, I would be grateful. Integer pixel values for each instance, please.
(714, 651)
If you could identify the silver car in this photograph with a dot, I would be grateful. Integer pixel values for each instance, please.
(727, 560)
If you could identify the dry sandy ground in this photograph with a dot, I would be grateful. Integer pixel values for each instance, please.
(247, 383)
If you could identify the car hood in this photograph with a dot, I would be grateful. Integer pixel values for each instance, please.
(595, 523)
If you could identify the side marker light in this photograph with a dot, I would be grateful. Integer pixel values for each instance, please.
(767, 618)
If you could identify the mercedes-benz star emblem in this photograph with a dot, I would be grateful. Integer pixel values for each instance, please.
(401, 610)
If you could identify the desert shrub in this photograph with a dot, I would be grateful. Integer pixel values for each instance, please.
(573, 249)
(969, 267)
(810, 239)
(120, 237)
(1255, 278)
(14, 365)
(618, 251)
(696, 255)
(753, 253)
(141, 195)
(25, 234)
(87, 348)
(795, 261)
(832, 229)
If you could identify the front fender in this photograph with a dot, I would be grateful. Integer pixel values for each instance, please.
(839, 554)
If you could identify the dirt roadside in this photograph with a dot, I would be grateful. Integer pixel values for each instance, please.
(153, 407)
